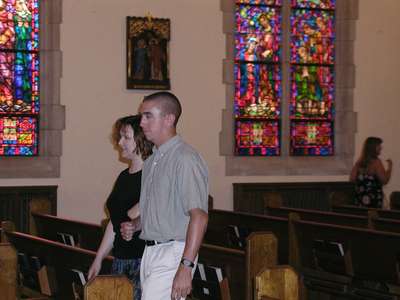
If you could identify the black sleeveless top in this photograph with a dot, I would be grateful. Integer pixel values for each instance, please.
(125, 194)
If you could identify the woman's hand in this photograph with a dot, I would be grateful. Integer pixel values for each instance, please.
(94, 269)
(390, 163)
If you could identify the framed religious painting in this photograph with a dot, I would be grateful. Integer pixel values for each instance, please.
(148, 53)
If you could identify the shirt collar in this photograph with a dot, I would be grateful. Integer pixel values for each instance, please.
(167, 145)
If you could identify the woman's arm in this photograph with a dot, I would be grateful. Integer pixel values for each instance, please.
(134, 212)
(354, 171)
(105, 248)
(382, 174)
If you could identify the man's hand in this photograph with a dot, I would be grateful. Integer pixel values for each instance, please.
(182, 284)
(129, 228)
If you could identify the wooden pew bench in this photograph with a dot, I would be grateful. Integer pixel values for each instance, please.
(383, 224)
(220, 224)
(217, 234)
(352, 262)
(241, 266)
(320, 216)
(110, 287)
(56, 256)
(363, 211)
(372, 221)
(8, 271)
(87, 235)
(278, 282)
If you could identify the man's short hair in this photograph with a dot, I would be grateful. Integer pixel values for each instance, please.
(169, 104)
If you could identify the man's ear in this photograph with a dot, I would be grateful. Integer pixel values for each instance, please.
(170, 118)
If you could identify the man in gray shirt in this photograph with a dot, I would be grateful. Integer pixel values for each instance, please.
(173, 203)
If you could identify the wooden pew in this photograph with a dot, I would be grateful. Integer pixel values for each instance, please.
(320, 216)
(239, 281)
(395, 200)
(242, 265)
(110, 287)
(58, 256)
(220, 220)
(88, 235)
(383, 224)
(250, 197)
(372, 221)
(8, 271)
(366, 256)
(363, 211)
(91, 234)
(279, 282)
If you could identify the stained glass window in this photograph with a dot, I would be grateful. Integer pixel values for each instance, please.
(257, 70)
(312, 77)
(19, 77)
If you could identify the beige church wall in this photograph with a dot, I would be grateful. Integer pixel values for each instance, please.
(94, 93)
(377, 93)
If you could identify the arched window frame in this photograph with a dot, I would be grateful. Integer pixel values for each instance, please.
(52, 113)
(345, 119)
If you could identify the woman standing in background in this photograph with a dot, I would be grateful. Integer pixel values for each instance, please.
(370, 175)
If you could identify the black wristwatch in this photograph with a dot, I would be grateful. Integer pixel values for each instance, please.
(187, 263)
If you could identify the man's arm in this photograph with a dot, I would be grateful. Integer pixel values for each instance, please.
(182, 283)
(130, 227)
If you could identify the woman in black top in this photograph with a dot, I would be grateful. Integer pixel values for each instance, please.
(125, 194)
(369, 174)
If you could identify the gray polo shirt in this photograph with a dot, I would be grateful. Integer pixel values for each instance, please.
(174, 181)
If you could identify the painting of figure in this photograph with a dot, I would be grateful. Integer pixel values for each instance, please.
(147, 53)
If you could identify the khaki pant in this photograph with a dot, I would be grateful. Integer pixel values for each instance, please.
(158, 269)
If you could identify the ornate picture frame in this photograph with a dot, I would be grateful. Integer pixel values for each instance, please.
(148, 53)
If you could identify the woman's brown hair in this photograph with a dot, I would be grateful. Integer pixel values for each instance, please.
(369, 151)
(143, 146)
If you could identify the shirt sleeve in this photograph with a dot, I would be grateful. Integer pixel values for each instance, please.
(193, 182)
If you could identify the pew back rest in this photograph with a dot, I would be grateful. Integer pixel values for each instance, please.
(364, 211)
(110, 287)
(61, 258)
(320, 216)
(383, 224)
(279, 282)
(88, 235)
(395, 200)
(220, 220)
(368, 254)
(8, 273)
(240, 267)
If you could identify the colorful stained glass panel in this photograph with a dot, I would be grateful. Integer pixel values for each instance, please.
(257, 138)
(311, 138)
(312, 92)
(312, 36)
(19, 82)
(19, 77)
(19, 24)
(258, 90)
(257, 47)
(257, 72)
(319, 4)
(258, 19)
(18, 136)
(261, 2)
